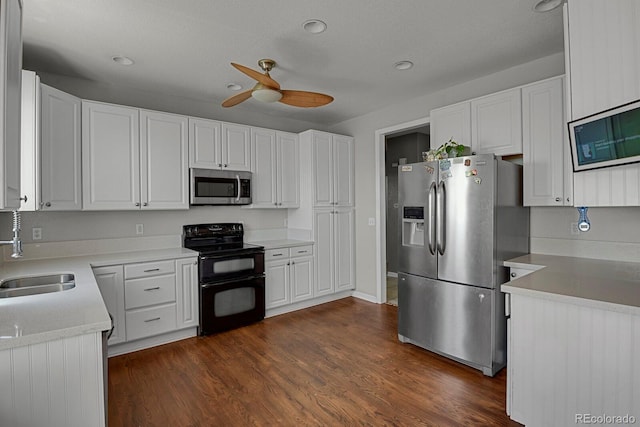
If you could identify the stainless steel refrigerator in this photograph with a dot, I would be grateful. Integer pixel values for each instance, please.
(460, 219)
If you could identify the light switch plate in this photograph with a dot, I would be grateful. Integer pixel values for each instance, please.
(372, 221)
(139, 229)
(36, 233)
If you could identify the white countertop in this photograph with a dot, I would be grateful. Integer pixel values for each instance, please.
(282, 243)
(609, 285)
(33, 319)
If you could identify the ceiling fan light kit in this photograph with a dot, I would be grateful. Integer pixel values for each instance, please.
(268, 90)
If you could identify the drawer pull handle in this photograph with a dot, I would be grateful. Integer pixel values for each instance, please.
(277, 255)
(151, 270)
(155, 288)
(152, 320)
(302, 252)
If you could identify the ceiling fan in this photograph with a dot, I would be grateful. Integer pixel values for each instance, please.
(268, 90)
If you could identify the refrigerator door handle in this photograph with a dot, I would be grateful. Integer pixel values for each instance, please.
(441, 200)
(431, 218)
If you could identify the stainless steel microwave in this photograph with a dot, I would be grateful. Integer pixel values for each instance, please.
(220, 187)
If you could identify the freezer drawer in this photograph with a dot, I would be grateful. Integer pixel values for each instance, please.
(458, 321)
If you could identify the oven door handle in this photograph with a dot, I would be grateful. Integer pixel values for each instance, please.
(238, 197)
(226, 282)
(242, 255)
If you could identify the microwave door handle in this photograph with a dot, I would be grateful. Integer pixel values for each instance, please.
(238, 196)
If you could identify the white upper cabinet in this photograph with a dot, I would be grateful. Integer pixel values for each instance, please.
(451, 122)
(548, 175)
(122, 172)
(275, 167)
(603, 63)
(205, 143)
(61, 178)
(10, 94)
(333, 164)
(163, 161)
(496, 123)
(236, 147)
(218, 145)
(30, 142)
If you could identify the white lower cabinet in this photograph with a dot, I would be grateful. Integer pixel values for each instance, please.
(334, 237)
(148, 299)
(289, 275)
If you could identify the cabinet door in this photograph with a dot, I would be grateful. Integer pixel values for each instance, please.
(451, 122)
(496, 123)
(110, 157)
(544, 144)
(30, 142)
(236, 147)
(343, 182)
(61, 160)
(302, 275)
(322, 169)
(10, 93)
(163, 161)
(343, 249)
(288, 170)
(205, 142)
(324, 255)
(187, 293)
(276, 283)
(111, 284)
(263, 166)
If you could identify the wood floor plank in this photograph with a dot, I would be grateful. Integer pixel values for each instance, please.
(335, 364)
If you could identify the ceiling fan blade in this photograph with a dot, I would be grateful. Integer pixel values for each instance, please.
(301, 98)
(237, 99)
(262, 78)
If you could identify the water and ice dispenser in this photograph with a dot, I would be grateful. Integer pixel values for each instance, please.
(413, 226)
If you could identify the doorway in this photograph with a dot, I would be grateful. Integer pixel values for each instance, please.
(384, 138)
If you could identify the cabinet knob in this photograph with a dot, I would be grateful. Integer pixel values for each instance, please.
(558, 199)
(145, 204)
(137, 203)
(568, 200)
(219, 165)
(48, 204)
(513, 274)
(288, 263)
(225, 165)
(276, 203)
(23, 198)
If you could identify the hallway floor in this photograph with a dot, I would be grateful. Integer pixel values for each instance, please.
(392, 291)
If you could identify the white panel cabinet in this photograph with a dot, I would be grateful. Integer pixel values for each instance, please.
(275, 167)
(111, 284)
(451, 122)
(30, 142)
(10, 93)
(496, 123)
(333, 233)
(344, 249)
(236, 147)
(61, 177)
(548, 176)
(603, 63)
(218, 145)
(128, 163)
(187, 293)
(333, 168)
(289, 275)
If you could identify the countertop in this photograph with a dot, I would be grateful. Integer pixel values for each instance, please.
(609, 285)
(38, 318)
(283, 243)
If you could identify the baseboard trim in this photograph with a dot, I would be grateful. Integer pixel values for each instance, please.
(130, 347)
(365, 297)
(276, 311)
(392, 274)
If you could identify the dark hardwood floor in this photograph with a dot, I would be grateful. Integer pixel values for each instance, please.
(335, 364)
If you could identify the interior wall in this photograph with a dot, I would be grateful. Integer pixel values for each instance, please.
(363, 128)
(408, 147)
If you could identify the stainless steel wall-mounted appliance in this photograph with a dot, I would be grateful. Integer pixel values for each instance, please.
(231, 276)
(219, 187)
(460, 219)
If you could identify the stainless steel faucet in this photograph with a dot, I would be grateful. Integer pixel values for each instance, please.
(16, 242)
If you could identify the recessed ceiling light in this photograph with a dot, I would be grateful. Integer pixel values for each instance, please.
(547, 5)
(314, 26)
(403, 65)
(234, 86)
(122, 60)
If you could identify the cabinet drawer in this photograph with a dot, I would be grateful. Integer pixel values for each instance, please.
(145, 269)
(275, 254)
(145, 322)
(148, 291)
(301, 251)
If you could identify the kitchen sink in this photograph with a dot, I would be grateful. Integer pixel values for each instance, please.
(35, 285)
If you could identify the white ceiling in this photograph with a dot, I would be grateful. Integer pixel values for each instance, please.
(185, 47)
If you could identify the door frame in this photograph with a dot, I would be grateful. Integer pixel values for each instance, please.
(381, 198)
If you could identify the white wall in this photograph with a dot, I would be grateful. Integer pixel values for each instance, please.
(363, 129)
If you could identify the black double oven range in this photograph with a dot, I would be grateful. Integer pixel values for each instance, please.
(230, 276)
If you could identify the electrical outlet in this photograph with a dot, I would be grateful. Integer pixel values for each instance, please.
(574, 228)
(139, 229)
(36, 233)
(372, 221)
